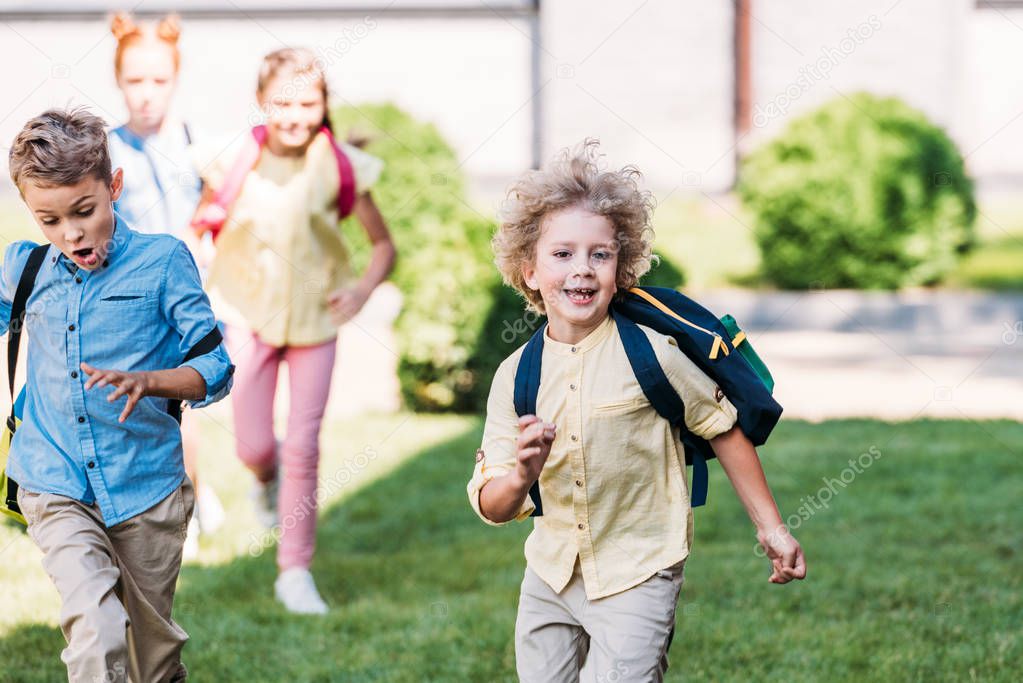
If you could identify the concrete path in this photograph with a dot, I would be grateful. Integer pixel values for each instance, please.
(887, 355)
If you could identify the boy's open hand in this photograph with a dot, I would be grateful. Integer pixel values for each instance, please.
(534, 446)
(785, 553)
(134, 385)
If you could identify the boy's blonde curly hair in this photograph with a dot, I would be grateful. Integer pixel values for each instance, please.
(574, 178)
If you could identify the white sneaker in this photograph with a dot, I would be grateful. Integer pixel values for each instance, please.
(209, 509)
(190, 550)
(264, 500)
(296, 590)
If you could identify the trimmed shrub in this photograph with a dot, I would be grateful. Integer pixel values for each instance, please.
(444, 268)
(865, 192)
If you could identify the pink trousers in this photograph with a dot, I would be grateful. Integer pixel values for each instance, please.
(252, 398)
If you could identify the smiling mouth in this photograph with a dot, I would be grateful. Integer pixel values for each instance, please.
(580, 295)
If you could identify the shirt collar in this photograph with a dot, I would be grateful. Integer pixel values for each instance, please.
(593, 339)
(128, 137)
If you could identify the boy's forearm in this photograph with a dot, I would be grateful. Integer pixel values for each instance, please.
(183, 383)
(501, 498)
(741, 463)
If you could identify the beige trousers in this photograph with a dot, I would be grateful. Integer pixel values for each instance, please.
(116, 585)
(564, 638)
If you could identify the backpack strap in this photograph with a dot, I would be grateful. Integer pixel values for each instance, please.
(205, 345)
(213, 216)
(661, 394)
(346, 175)
(26, 283)
(527, 386)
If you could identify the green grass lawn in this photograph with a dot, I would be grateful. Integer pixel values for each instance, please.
(997, 262)
(914, 567)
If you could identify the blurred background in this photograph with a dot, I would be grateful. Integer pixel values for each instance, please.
(846, 179)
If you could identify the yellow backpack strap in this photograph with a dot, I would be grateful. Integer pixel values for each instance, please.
(719, 344)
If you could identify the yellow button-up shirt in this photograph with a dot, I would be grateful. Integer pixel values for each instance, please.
(614, 488)
(281, 252)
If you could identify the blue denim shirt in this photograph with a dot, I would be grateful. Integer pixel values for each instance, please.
(143, 309)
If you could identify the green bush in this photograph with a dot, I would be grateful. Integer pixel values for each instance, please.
(444, 268)
(865, 192)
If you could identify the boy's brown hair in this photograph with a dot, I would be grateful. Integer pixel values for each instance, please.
(60, 147)
(574, 178)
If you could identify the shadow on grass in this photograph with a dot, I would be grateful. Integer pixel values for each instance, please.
(421, 590)
(913, 575)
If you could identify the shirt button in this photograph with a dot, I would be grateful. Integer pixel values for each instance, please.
(71, 328)
(572, 387)
(578, 482)
(91, 464)
(575, 438)
(78, 280)
(74, 374)
(81, 419)
(574, 349)
(582, 526)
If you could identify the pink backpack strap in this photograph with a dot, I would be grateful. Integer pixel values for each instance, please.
(346, 187)
(214, 215)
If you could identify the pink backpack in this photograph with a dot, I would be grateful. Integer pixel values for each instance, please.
(213, 214)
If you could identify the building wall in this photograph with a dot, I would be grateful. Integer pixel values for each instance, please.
(468, 75)
(652, 79)
(953, 60)
(806, 53)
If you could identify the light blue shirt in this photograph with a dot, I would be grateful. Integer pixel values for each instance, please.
(142, 309)
(161, 185)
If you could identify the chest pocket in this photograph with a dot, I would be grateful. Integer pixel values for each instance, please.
(128, 298)
(621, 407)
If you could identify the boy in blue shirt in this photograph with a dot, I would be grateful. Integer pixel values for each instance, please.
(111, 318)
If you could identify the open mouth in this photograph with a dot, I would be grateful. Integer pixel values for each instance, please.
(86, 256)
(580, 295)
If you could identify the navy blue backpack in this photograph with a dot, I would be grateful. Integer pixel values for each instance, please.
(718, 347)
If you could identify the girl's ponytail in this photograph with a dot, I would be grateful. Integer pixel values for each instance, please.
(123, 27)
(169, 29)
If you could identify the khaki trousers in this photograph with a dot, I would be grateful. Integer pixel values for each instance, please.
(564, 638)
(116, 585)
